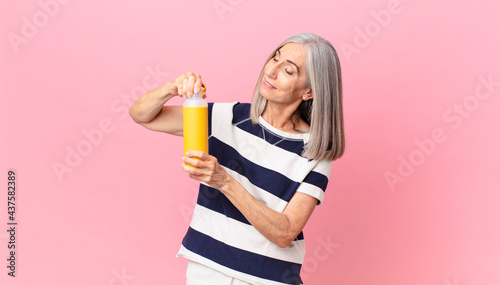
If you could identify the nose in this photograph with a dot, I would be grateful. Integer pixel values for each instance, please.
(272, 69)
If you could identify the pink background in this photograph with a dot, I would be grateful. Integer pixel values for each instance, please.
(117, 215)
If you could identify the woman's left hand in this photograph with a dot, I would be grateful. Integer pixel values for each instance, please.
(206, 169)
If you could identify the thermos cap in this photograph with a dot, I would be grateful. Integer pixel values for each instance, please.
(202, 92)
(197, 99)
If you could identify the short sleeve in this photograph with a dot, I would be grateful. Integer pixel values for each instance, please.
(316, 181)
(219, 114)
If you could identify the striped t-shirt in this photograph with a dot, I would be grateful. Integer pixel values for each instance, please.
(268, 164)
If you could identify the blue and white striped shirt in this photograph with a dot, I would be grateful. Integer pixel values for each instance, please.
(267, 162)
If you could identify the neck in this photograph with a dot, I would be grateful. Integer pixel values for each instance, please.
(280, 117)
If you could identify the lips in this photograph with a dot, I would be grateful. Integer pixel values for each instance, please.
(267, 84)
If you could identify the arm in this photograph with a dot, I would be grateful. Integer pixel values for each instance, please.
(279, 228)
(149, 111)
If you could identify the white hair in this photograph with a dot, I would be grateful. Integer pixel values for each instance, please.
(323, 112)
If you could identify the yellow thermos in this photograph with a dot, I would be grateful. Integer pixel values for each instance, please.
(195, 122)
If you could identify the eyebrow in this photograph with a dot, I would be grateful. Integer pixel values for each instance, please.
(298, 69)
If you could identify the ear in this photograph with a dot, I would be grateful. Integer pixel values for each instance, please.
(307, 95)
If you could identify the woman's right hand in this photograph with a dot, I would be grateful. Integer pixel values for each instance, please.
(150, 112)
(186, 85)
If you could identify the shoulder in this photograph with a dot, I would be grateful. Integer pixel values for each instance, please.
(236, 110)
(236, 106)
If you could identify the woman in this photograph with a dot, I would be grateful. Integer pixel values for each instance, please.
(267, 167)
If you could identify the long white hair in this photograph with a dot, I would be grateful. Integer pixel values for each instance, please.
(323, 112)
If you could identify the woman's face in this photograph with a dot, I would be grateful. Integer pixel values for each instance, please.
(284, 80)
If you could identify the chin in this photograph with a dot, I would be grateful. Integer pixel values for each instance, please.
(264, 92)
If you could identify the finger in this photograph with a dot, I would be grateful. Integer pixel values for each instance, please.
(190, 88)
(193, 170)
(185, 83)
(194, 162)
(188, 169)
(195, 177)
(178, 83)
(197, 85)
(198, 154)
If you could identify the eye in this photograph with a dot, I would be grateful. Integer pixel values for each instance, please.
(275, 58)
(288, 69)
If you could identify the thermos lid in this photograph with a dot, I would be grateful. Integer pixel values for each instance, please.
(202, 92)
(197, 99)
